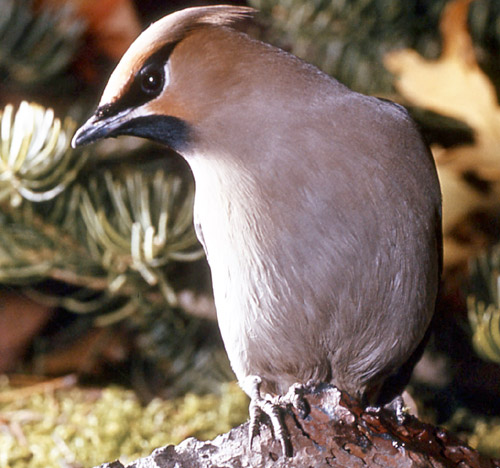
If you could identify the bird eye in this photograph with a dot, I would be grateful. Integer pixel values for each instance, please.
(152, 79)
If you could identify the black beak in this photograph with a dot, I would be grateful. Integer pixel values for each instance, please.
(98, 127)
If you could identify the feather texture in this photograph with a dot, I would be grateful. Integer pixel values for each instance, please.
(319, 208)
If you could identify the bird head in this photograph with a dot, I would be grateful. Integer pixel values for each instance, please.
(167, 81)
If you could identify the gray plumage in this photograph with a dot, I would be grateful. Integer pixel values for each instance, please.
(318, 207)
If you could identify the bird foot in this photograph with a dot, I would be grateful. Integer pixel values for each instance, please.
(265, 407)
(295, 397)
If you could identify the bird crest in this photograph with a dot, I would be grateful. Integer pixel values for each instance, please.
(166, 33)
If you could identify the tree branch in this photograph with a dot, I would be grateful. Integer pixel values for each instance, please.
(336, 433)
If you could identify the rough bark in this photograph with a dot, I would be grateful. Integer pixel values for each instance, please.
(336, 433)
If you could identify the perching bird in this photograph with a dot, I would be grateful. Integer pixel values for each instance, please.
(319, 208)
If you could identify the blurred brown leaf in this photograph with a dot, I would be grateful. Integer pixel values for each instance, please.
(20, 320)
(454, 85)
(88, 355)
(113, 23)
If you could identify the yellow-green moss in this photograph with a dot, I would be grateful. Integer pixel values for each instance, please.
(82, 427)
(486, 437)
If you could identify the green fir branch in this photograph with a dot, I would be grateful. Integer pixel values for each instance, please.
(150, 226)
(483, 304)
(36, 46)
(36, 161)
(111, 233)
(112, 237)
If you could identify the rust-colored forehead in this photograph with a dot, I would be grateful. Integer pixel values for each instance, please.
(168, 30)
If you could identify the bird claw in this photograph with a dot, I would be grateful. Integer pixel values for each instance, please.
(259, 407)
(295, 398)
(397, 407)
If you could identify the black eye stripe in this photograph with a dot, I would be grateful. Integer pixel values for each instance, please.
(136, 95)
(164, 129)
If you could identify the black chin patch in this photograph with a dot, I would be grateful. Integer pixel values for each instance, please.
(168, 130)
